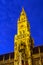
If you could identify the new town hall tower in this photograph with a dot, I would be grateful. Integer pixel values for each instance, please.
(24, 51)
(23, 43)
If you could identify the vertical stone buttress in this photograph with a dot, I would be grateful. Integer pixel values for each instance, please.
(23, 42)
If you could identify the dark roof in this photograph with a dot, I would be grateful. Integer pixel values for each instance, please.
(36, 49)
(6, 56)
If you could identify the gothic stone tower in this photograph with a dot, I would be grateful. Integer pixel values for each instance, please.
(23, 43)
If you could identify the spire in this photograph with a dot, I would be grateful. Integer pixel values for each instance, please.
(22, 16)
(23, 12)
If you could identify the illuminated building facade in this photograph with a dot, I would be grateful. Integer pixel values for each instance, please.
(24, 51)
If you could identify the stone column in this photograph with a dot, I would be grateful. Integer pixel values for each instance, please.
(40, 56)
(3, 58)
(20, 59)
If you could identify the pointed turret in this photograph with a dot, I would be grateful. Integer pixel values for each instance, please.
(23, 12)
(22, 16)
(23, 25)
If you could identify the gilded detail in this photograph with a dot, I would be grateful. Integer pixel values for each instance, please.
(22, 41)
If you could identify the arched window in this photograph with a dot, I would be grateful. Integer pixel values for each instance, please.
(22, 62)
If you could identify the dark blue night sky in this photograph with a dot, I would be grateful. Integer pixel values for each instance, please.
(9, 14)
